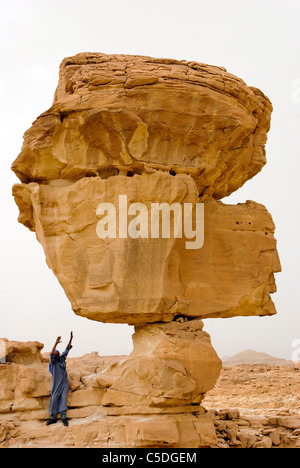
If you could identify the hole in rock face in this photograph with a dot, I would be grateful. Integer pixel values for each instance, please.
(90, 174)
(63, 115)
(182, 318)
(237, 222)
(137, 170)
(249, 222)
(108, 172)
(172, 172)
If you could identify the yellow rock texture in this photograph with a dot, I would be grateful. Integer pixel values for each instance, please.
(141, 280)
(114, 113)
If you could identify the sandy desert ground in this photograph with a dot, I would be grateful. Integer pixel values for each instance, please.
(257, 389)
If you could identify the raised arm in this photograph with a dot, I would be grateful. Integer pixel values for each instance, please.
(70, 342)
(58, 340)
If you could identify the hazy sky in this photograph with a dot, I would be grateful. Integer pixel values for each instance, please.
(257, 40)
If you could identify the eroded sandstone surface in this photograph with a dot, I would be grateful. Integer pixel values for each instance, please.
(251, 406)
(114, 113)
(150, 398)
(152, 279)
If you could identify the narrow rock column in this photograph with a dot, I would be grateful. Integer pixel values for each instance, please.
(172, 365)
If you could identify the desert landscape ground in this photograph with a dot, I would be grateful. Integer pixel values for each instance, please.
(267, 399)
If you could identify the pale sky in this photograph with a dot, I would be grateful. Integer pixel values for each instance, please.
(257, 40)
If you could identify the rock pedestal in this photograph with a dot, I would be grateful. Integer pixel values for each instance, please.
(172, 364)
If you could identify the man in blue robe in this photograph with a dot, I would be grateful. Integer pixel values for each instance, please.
(60, 383)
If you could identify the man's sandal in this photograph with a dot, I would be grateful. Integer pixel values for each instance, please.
(51, 421)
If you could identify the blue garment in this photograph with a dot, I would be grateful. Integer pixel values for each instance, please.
(60, 383)
(50, 368)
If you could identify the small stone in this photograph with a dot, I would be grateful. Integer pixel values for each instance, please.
(266, 442)
(251, 441)
(275, 437)
(289, 422)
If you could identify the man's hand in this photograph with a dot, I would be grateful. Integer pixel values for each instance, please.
(58, 340)
(70, 342)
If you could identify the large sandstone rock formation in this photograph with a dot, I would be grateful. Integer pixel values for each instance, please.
(157, 132)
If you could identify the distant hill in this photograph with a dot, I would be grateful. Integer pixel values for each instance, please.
(249, 356)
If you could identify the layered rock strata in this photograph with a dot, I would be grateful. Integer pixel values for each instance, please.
(142, 280)
(150, 398)
(262, 423)
(171, 365)
(114, 113)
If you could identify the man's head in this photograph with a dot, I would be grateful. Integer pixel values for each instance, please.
(57, 354)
